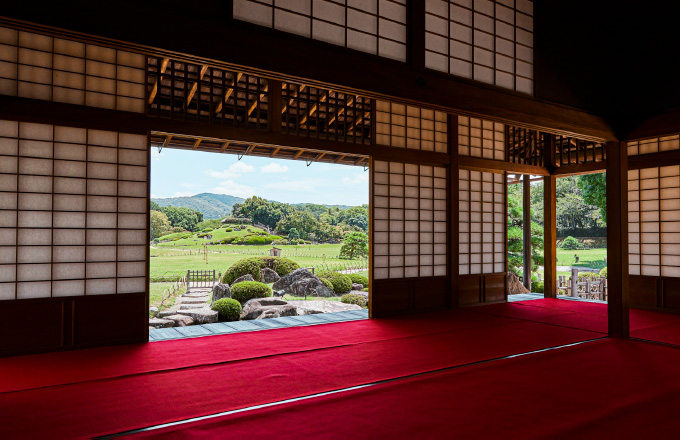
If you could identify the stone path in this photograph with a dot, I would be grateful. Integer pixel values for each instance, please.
(221, 328)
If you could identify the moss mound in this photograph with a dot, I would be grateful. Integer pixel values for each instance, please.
(353, 298)
(253, 265)
(227, 309)
(247, 290)
(341, 282)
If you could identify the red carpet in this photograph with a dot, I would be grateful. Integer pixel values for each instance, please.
(35, 371)
(119, 404)
(644, 324)
(599, 390)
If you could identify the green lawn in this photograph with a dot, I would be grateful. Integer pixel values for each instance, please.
(168, 261)
(156, 294)
(587, 258)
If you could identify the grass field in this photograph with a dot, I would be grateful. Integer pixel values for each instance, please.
(594, 258)
(156, 294)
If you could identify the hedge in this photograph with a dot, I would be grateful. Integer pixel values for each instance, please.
(228, 229)
(341, 282)
(603, 273)
(228, 309)
(571, 243)
(537, 286)
(247, 290)
(358, 279)
(327, 283)
(353, 298)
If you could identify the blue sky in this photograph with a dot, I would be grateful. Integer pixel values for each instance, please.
(177, 173)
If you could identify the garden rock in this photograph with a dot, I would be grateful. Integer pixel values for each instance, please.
(514, 285)
(181, 320)
(269, 275)
(246, 277)
(262, 308)
(200, 316)
(161, 323)
(220, 291)
(356, 286)
(302, 282)
(153, 311)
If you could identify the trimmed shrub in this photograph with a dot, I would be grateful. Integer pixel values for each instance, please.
(228, 229)
(228, 309)
(207, 230)
(175, 236)
(242, 267)
(537, 286)
(571, 243)
(603, 273)
(247, 290)
(588, 275)
(358, 279)
(341, 282)
(365, 289)
(353, 298)
(327, 283)
(282, 266)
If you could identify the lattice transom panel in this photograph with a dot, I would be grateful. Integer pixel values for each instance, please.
(526, 146)
(374, 26)
(406, 126)
(73, 211)
(571, 151)
(654, 221)
(327, 114)
(55, 69)
(654, 145)
(195, 92)
(409, 220)
(480, 138)
(485, 40)
(481, 222)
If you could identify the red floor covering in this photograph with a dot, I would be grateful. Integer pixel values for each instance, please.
(600, 390)
(36, 371)
(113, 405)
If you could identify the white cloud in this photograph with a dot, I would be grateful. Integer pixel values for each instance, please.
(233, 171)
(231, 188)
(357, 179)
(272, 168)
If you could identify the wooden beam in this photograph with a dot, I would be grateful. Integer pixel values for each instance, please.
(276, 150)
(617, 239)
(154, 90)
(229, 91)
(341, 111)
(583, 168)
(452, 223)
(225, 146)
(312, 110)
(660, 159)
(479, 164)
(198, 141)
(526, 230)
(549, 237)
(299, 153)
(166, 141)
(194, 87)
(340, 158)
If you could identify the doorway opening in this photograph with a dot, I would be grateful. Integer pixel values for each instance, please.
(250, 241)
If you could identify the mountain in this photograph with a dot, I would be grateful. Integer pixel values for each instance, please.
(211, 205)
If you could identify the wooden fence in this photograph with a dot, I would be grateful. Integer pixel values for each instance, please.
(178, 288)
(201, 278)
(587, 289)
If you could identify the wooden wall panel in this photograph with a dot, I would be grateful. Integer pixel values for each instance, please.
(482, 289)
(391, 297)
(655, 293)
(110, 319)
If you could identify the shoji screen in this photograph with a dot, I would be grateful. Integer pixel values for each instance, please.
(654, 145)
(374, 26)
(54, 69)
(405, 126)
(654, 221)
(479, 138)
(486, 40)
(409, 220)
(481, 222)
(73, 211)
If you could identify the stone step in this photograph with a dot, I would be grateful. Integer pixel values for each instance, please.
(161, 323)
(191, 300)
(201, 316)
(192, 306)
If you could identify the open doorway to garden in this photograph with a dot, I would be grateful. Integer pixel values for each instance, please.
(581, 230)
(240, 242)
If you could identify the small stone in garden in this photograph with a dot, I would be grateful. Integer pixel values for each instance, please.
(153, 311)
(246, 277)
(356, 286)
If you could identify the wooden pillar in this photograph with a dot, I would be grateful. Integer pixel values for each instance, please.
(416, 35)
(452, 218)
(526, 229)
(617, 239)
(549, 237)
